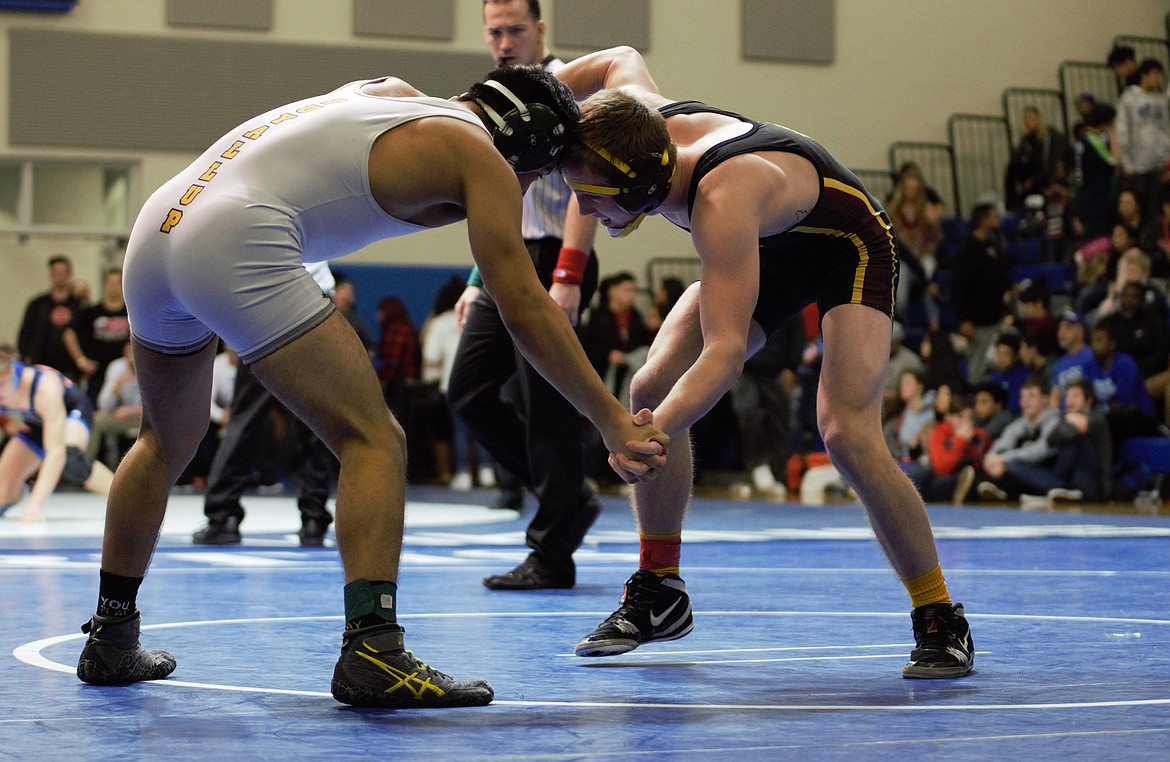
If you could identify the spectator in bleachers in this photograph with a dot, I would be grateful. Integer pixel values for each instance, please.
(935, 208)
(46, 316)
(920, 235)
(956, 449)
(1036, 316)
(942, 365)
(1139, 331)
(1097, 263)
(990, 409)
(806, 435)
(1101, 299)
(1130, 212)
(1036, 352)
(98, 334)
(908, 432)
(1154, 237)
(1118, 385)
(345, 298)
(1143, 134)
(1095, 174)
(1122, 59)
(615, 336)
(669, 291)
(118, 413)
(1083, 104)
(1020, 458)
(1039, 159)
(616, 341)
(1058, 220)
(762, 401)
(1008, 370)
(399, 354)
(902, 359)
(1084, 461)
(1075, 355)
(982, 287)
(440, 340)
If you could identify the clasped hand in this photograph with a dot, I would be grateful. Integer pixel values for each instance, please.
(644, 452)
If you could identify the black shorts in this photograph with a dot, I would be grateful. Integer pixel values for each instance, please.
(850, 257)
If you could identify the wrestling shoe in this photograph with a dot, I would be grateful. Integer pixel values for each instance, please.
(653, 608)
(944, 648)
(113, 656)
(375, 669)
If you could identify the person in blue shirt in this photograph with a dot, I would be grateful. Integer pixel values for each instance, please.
(1118, 385)
(1075, 354)
(1010, 372)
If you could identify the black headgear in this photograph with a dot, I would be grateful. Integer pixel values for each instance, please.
(644, 186)
(645, 181)
(529, 135)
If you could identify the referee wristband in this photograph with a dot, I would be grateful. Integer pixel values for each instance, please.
(570, 266)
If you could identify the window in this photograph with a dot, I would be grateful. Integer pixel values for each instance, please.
(65, 196)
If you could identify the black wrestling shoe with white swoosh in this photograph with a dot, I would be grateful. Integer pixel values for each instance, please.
(942, 637)
(652, 608)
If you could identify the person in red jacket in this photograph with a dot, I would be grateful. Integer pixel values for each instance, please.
(956, 446)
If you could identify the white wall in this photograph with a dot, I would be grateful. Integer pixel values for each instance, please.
(902, 67)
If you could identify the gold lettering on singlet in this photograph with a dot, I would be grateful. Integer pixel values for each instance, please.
(211, 171)
(172, 219)
(191, 193)
(175, 215)
(234, 151)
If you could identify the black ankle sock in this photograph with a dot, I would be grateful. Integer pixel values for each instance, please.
(117, 595)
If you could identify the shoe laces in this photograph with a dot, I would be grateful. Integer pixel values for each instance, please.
(638, 592)
(934, 630)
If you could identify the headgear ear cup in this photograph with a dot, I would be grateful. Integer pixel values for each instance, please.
(650, 177)
(528, 135)
(645, 181)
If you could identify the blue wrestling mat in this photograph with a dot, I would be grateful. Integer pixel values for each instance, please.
(801, 631)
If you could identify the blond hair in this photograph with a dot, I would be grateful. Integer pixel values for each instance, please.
(623, 126)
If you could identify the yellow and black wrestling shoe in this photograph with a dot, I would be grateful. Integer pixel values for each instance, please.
(375, 669)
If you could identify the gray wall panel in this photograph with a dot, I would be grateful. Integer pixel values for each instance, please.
(430, 20)
(788, 30)
(74, 89)
(221, 14)
(595, 24)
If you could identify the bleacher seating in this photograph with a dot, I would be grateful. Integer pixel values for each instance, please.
(879, 182)
(686, 269)
(1078, 77)
(1145, 47)
(1050, 104)
(979, 144)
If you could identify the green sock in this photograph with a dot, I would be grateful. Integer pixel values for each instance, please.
(368, 604)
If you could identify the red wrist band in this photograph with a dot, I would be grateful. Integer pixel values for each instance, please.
(570, 266)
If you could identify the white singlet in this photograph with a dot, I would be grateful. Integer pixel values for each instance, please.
(220, 248)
